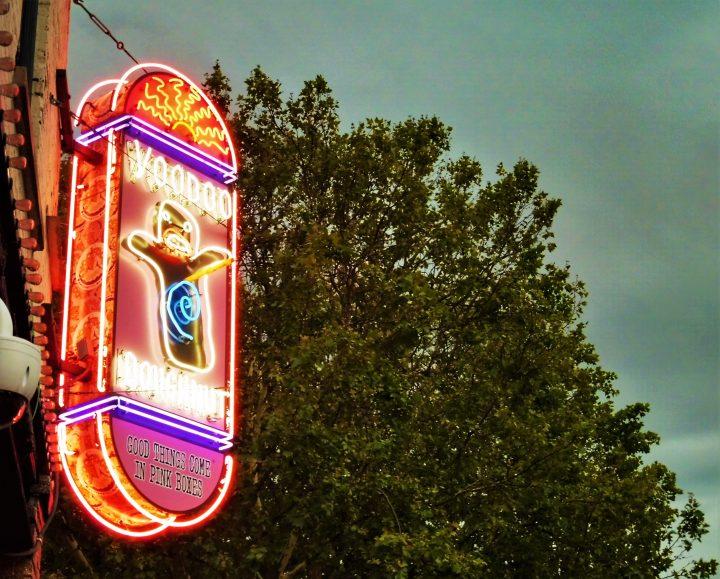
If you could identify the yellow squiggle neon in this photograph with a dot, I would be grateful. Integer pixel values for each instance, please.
(175, 110)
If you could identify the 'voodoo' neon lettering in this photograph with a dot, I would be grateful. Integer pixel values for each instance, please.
(177, 183)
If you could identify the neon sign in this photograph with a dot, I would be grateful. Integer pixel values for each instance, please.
(151, 306)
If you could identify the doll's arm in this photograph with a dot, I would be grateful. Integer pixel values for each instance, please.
(140, 245)
(208, 261)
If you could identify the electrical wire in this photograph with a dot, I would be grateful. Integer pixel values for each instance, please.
(37, 405)
(41, 535)
(56, 499)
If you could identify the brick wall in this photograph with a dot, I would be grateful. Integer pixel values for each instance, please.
(51, 50)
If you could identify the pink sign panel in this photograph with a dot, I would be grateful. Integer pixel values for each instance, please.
(171, 322)
(173, 474)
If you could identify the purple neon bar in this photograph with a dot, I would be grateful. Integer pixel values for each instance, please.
(155, 418)
(164, 142)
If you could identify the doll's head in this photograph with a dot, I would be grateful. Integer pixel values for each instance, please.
(176, 228)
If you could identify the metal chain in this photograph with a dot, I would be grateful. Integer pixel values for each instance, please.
(120, 45)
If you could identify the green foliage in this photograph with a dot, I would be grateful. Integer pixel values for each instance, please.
(419, 395)
(218, 87)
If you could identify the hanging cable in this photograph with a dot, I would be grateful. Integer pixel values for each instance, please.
(41, 535)
(119, 44)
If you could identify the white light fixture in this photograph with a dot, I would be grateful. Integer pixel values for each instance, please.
(19, 359)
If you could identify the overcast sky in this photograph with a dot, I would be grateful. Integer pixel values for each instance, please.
(616, 102)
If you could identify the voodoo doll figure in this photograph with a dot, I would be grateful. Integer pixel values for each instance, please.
(178, 264)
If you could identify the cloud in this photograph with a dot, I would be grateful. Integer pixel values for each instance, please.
(696, 459)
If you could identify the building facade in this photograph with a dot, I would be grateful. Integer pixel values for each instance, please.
(33, 59)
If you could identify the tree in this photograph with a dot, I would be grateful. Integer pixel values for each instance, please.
(218, 87)
(419, 395)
